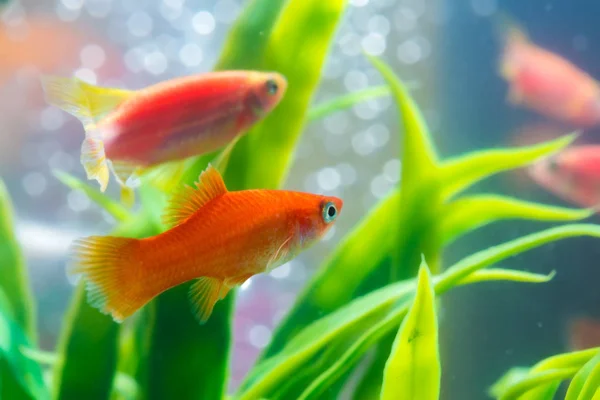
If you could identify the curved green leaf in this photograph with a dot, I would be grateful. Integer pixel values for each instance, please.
(346, 101)
(413, 370)
(461, 172)
(535, 380)
(21, 377)
(585, 383)
(115, 209)
(469, 213)
(13, 274)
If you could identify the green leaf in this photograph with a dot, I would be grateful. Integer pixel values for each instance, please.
(21, 377)
(380, 310)
(13, 274)
(469, 213)
(417, 149)
(89, 347)
(346, 101)
(115, 209)
(585, 383)
(535, 380)
(125, 385)
(297, 48)
(500, 274)
(461, 172)
(413, 370)
(542, 380)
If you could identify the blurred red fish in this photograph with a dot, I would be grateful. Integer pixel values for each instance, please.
(129, 131)
(584, 333)
(219, 239)
(573, 175)
(546, 82)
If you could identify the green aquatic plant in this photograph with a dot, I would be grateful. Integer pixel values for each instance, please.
(366, 297)
(542, 381)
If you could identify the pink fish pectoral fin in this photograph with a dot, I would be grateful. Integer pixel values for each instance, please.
(184, 204)
(127, 176)
(204, 293)
(93, 160)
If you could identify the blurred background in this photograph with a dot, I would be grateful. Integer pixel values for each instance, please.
(447, 53)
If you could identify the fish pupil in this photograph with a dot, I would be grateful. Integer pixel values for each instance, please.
(272, 86)
(331, 211)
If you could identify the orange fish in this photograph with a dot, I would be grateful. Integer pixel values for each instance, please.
(129, 131)
(573, 174)
(218, 238)
(546, 82)
(584, 333)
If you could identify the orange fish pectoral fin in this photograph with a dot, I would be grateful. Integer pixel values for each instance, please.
(108, 268)
(280, 255)
(210, 185)
(204, 293)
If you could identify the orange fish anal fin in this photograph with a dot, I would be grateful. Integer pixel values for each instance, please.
(107, 265)
(204, 293)
(210, 185)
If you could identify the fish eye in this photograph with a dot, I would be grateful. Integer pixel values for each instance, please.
(272, 87)
(553, 165)
(329, 212)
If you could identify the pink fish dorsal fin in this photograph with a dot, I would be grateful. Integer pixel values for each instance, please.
(184, 204)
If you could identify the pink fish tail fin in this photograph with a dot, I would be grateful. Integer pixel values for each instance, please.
(112, 274)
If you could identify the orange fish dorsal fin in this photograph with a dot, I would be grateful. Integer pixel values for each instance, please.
(184, 204)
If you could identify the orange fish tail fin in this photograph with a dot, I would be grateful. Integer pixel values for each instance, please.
(112, 275)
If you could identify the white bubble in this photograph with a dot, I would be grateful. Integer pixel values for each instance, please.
(359, 3)
(170, 12)
(98, 8)
(52, 118)
(133, 60)
(355, 80)
(92, 56)
(191, 55)
(409, 52)
(350, 44)
(67, 14)
(156, 63)
(174, 3)
(139, 24)
(226, 11)
(363, 143)
(391, 170)
(281, 272)
(381, 134)
(86, 75)
(380, 186)
(72, 4)
(329, 179)
(78, 201)
(61, 160)
(333, 68)
(337, 123)
(347, 173)
(259, 336)
(34, 183)
(405, 19)
(203, 22)
(484, 8)
(373, 44)
(379, 24)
